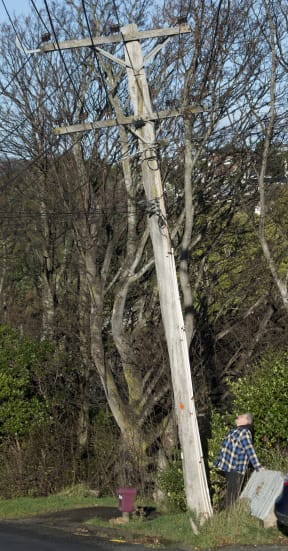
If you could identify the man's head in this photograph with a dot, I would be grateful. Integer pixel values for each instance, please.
(244, 419)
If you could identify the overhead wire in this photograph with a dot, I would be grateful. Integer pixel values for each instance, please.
(80, 138)
(18, 72)
(81, 99)
(212, 49)
(95, 54)
(36, 159)
(176, 81)
(154, 146)
(87, 19)
(99, 67)
(3, 90)
(28, 60)
(100, 70)
(129, 57)
(40, 156)
(60, 51)
(15, 76)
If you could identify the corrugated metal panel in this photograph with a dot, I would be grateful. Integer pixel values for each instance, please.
(262, 489)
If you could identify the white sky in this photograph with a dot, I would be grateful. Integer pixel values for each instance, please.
(14, 7)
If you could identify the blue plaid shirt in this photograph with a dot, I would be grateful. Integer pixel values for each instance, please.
(237, 452)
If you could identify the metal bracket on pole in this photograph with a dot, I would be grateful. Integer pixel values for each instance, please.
(110, 56)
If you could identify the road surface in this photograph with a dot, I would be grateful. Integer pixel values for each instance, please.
(14, 537)
(66, 531)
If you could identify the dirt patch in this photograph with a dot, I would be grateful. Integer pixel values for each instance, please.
(74, 516)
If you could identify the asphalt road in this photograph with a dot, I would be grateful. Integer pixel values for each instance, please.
(19, 538)
(65, 531)
(14, 537)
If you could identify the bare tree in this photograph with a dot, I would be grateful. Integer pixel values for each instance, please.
(96, 187)
(272, 35)
(93, 181)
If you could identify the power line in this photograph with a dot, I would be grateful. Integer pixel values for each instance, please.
(17, 35)
(95, 55)
(61, 54)
(28, 117)
(81, 99)
(127, 50)
(69, 74)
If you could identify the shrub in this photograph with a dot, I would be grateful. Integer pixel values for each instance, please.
(217, 483)
(170, 480)
(22, 409)
(264, 392)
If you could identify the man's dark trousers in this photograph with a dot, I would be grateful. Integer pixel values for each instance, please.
(234, 481)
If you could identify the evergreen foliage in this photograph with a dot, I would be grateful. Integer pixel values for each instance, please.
(264, 392)
(22, 409)
(171, 482)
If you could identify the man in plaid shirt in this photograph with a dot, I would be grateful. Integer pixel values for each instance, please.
(235, 455)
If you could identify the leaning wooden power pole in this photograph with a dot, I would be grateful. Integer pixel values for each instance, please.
(195, 480)
(196, 487)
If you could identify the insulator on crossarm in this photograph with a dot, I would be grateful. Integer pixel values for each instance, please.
(46, 37)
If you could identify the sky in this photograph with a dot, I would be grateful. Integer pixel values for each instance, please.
(14, 7)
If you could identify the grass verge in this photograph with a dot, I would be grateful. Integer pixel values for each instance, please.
(234, 528)
(26, 507)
